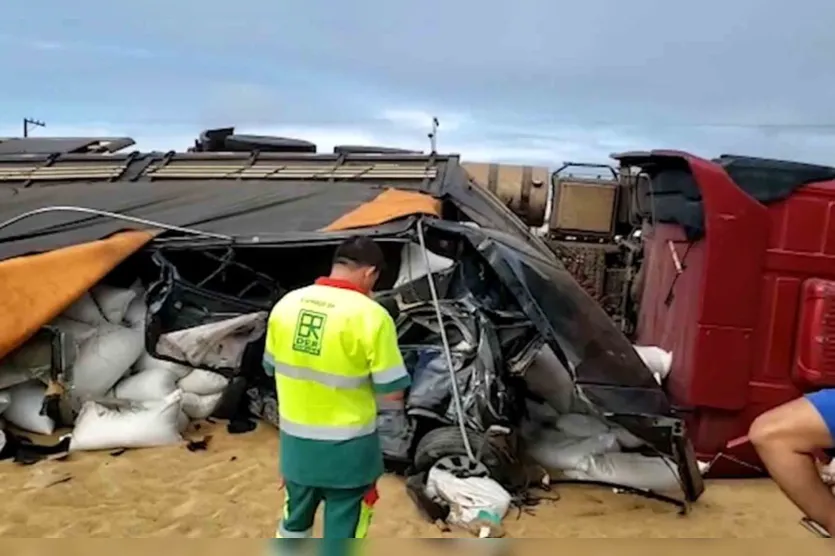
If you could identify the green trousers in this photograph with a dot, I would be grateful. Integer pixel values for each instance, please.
(348, 512)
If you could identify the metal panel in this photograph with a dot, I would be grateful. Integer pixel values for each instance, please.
(584, 206)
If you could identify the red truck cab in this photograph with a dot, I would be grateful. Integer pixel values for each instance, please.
(739, 284)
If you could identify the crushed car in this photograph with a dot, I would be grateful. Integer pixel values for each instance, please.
(490, 323)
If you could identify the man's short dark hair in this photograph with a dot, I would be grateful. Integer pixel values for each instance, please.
(359, 251)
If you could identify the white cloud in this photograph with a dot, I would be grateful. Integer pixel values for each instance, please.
(421, 120)
(45, 45)
(50, 45)
(542, 149)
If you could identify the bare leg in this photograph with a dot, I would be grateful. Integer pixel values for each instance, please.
(786, 439)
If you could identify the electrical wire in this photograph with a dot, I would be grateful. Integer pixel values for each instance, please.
(456, 395)
(115, 216)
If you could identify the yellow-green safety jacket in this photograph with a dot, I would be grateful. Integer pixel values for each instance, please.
(332, 349)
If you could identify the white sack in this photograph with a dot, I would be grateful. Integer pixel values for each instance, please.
(79, 332)
(657, 360)
(629, 469)
(200, 407)
(102, 426)
(541, 413)
(553, 451)
(2, 440)
(85, 310)
(146, 361)
(467, 497)
(413, 264)
(182, 421)
(580, 425)
(24, 411)
(548, 378)
(146, 386)
(203, 383)
(137, 312)
(5, 401)
(104, 359)
(113, 302)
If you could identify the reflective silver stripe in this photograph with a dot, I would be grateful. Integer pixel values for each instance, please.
(268, 358)
(285, 534)
(325, 379)
(389, 375)
(269, 365)
(314, 432)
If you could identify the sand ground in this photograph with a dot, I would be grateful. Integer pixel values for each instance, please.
(231, 490)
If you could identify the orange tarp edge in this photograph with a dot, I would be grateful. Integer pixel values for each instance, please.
(387, 206)
(37, 288)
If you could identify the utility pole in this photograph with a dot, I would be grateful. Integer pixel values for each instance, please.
(433, 135)
(29, 121)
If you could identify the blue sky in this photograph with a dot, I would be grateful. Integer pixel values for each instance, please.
(530, 80)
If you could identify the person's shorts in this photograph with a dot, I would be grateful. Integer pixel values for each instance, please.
(824, 402)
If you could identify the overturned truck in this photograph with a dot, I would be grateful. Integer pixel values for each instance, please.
(213, 240)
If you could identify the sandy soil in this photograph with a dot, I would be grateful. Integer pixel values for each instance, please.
(230, 491)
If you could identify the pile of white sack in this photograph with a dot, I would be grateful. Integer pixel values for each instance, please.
(585, 447)
(120, 396)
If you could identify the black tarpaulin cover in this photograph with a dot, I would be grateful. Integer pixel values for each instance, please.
(241, 209)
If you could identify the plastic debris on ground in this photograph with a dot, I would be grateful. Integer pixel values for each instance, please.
(476, 503)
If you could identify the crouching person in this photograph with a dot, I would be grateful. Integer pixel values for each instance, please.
(333, 351)
(789, 439)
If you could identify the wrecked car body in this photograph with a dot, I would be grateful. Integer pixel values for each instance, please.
(230, 233)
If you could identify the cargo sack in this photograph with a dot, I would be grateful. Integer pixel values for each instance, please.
(103, 360)
(107, 425)
(25, 409)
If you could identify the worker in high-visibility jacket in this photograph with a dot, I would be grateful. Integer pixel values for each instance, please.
(334, 353)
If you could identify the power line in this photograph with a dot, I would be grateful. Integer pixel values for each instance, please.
(29, 121)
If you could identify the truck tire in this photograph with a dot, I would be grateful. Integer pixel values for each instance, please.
(446, 441)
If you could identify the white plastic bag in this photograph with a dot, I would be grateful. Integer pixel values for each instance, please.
(203, 382)
(24, 411)
(200, 407)
(113, 302)
(146, 361)
(5, 401)
(580, 425)
(553, 452)
(104, 359)
(657, 360)
(102, 426)
(413, 264)
(467, 497)
(629, 469)
(85, 310)
(146, 386)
